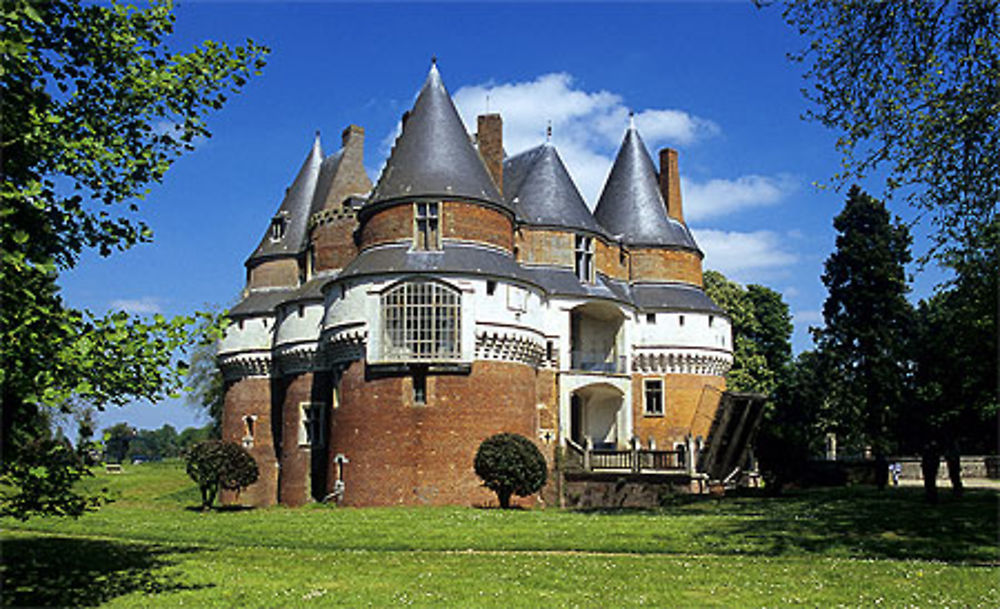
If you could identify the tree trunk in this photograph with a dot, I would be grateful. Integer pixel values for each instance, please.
(953, 460)
(929, 461)
(504, 497)
(881, 471)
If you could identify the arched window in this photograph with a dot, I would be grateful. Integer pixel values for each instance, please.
(421, 320)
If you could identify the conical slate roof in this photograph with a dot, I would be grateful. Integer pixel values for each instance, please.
(294, 210)
(631, 204)
(537, 185)
(433, 156)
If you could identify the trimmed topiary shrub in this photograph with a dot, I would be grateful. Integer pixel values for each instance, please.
(214, 464)
(510, 464)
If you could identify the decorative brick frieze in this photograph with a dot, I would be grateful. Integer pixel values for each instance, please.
(236, 366)
(327, 216)
(507, 343)
(345, 344)
(297, 358)
(681, 361)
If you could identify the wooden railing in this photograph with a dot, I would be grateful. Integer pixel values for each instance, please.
(634, 460)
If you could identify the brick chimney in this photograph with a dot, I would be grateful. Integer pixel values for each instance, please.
(670, 184)
(490, 141)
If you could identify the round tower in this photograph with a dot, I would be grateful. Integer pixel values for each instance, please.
(429, 328)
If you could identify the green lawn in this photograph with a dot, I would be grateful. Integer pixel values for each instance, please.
(845, 547)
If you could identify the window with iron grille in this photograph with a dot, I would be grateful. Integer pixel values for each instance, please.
(426, 235)
(421, 321)
(584, 261)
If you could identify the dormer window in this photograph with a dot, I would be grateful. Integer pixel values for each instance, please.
(426, 233)
(584, 260)
(278, 225)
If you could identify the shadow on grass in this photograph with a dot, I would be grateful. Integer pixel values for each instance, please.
(856, 522)
(219, 508)
(70, 572)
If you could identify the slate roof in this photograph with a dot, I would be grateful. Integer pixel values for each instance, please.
(327, 172)
(674, 296)
(541, 191)
(562, 281)
(452, 258)
(262, 301)
(433, 156)
(295, 209)
(631, 204)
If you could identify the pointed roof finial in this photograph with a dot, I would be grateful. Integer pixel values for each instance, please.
(434, 60)
(548, 132)
(631, 119)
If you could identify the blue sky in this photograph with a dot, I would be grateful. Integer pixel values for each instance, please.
(710, 79)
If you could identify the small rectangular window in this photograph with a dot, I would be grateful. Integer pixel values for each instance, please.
(681, 320)
(491, 287)
(584, 258)
(650, 318)
(549, 350)
(426, 233)
(312, 424)
(711, 320)
(420, 386)
(653, 402)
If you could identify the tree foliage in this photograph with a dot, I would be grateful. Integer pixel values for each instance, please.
(762, 328)
(868, 321)
(795, 422)
(215, 465)
(510, 464)
(207, 388)
(912, 89)
(94, 109)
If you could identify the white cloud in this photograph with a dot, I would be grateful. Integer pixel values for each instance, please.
(587, 126)
(745, 257)
(146, 304)
(703, 200)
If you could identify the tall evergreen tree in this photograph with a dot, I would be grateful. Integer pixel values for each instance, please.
(867, 319)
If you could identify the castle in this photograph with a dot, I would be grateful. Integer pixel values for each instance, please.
(385, 332)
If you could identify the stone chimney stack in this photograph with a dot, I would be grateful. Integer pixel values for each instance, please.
(489, 138)
(670, 184)
(353, 136)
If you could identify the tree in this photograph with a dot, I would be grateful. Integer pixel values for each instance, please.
(206, 385)
(117, 442)
(215, 465)
(956, 405)
(864, 341)
(94, 109)
(155, 444)
(792, 432)
(761, 330)
(510, 464)
(912, 89)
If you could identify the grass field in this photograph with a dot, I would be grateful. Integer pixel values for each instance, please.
(823, 548)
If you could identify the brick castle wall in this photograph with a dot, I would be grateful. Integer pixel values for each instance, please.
(683, 393)
(388, 226)
(275, 273)
(333, 243)
(649, 264)
(405, 454)
(471, 222)
(251, 396)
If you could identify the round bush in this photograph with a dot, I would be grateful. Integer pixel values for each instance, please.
(214, 464)
(510, 464)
